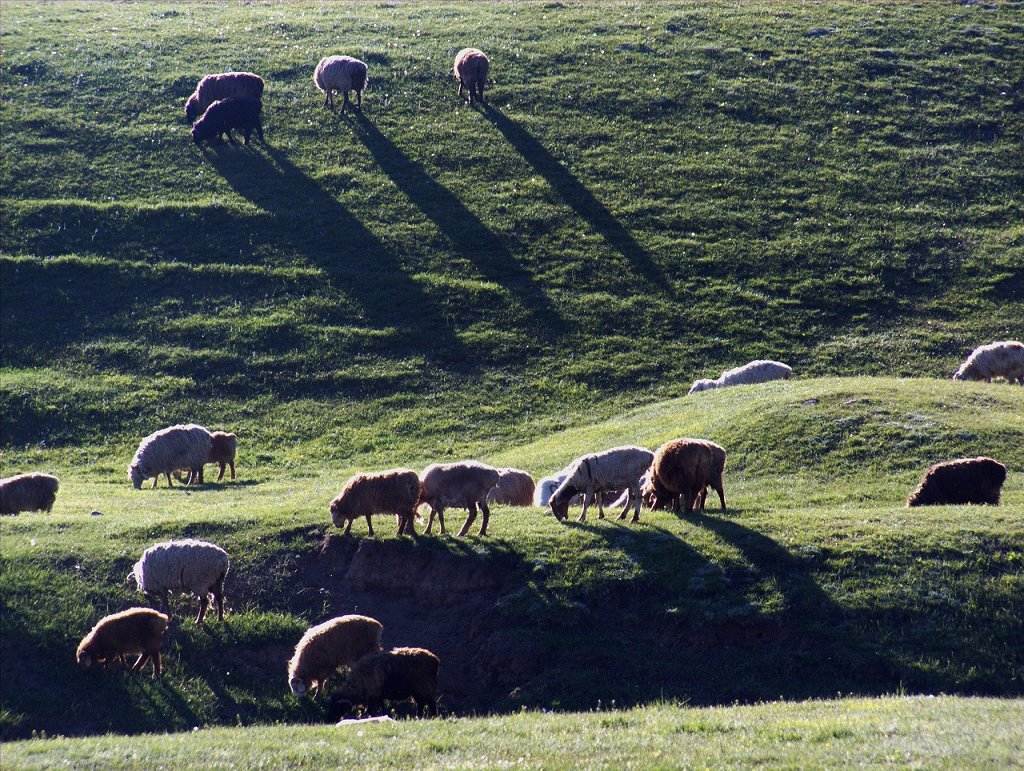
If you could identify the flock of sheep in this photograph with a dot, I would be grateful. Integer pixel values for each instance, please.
(234, 100)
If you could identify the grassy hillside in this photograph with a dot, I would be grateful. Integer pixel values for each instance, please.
(816, 581)
(936, 733)
(654, 194)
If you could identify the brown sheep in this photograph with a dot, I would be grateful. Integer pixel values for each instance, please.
(684, 468)
(471, 68)
(28, 492)
(394, 675)
(965, 480)
(464, 485)
(325, 647)
(386, 492)
(136, 630)
(243, 85)
(514, 488)
(222, 452)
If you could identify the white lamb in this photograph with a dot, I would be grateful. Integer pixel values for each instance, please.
(189, 566)
(615, 469)
(169, 449)
(1003, 359)
(341, 74)
(759, 371)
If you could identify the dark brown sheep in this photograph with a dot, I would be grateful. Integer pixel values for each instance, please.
(965, 480)
(471, 68)
(136, 630)
(226, 114)
(221, 86)
(394, 675)
(28, 492)
(684, 468)
(386, 492)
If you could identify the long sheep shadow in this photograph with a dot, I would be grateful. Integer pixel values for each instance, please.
(313, 223)
(578, 197)
(469, 236)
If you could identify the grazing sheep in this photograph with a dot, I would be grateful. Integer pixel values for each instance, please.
(759, 371)
(683, 469)
(1004, 359)
(965, 480)
(226, 85)
(323, 648)
(394, 675)
(464, 485)
(188, 566)
(546, 487)
(136, 630)
(169, 449)
(514, 488)
(617, 468)
(222, 452)
(385, 492)
(341, 74)
(470, 69)
(226, 114)
(28, 492)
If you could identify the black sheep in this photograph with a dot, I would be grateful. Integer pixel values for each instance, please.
(966, 480)
(226, 114)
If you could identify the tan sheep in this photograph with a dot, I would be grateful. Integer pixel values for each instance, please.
(470, 69)
(385, 492)
(28, 492)
(464, 485)
(1003, 359)
(514, 488)
(136, 630)
(222, 452)
(394, 675)
(323, 648)
(684, 468)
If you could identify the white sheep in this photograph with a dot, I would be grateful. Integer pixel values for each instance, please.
(169, 449)
(1003, 359)
(546, 487)
(759, 371)
(224, 85)
(28, 492)
(614, 469)
(341, 74)
(188, 566)
(323, 648)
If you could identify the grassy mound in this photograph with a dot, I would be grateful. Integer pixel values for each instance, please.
(816, 580)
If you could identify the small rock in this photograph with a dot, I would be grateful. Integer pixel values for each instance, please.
(95, 513)
(819, 31)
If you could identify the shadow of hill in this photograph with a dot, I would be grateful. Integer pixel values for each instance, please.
(326, 234)
(469, 236)
(578, 197)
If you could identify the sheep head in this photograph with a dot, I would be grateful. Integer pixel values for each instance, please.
(560, 503)
(135, 474)
(84, 659)
(298, 686)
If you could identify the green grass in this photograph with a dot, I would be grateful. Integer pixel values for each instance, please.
(864, 733)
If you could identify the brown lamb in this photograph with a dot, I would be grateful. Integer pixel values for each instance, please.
(463, 485)
(394, 675)
(386, 492)
(965, 480)
(514, 488)
(136, 630)
(684, 468)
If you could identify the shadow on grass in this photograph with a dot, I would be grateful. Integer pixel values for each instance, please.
(469, 236)
(578, 197)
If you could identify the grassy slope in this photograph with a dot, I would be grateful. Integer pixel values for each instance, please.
(817, 581)
(936, 733)
(432, 279)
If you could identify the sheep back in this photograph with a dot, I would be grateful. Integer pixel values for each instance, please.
(185, 565)
(514, 488)
(341, 74)
(28, 492)
(323, 648)
(1000, 359)
(758, 371)
(471, 67)
(965, 480)
(394, 675)
(170, 449)
(458, 484)
(385, 492)
(135, 630)
(225, 85)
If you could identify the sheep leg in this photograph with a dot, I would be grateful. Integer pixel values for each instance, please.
(348, 527)
(430, 521)
(487, 515)
(259, 132)
(600, 504)
(154, 656)
(369, 525)
(344, 104)
(218, 597)
(327, 97)
(232, 463)
(720, 489)
(220, 476)
(156, 480)
(634, 498)
(231, 137)
(204, 603)
(480, 92)
(469, 519)
(359, 100)
(588, 495)
(460, 91)
(140, 662)
(410, 523)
